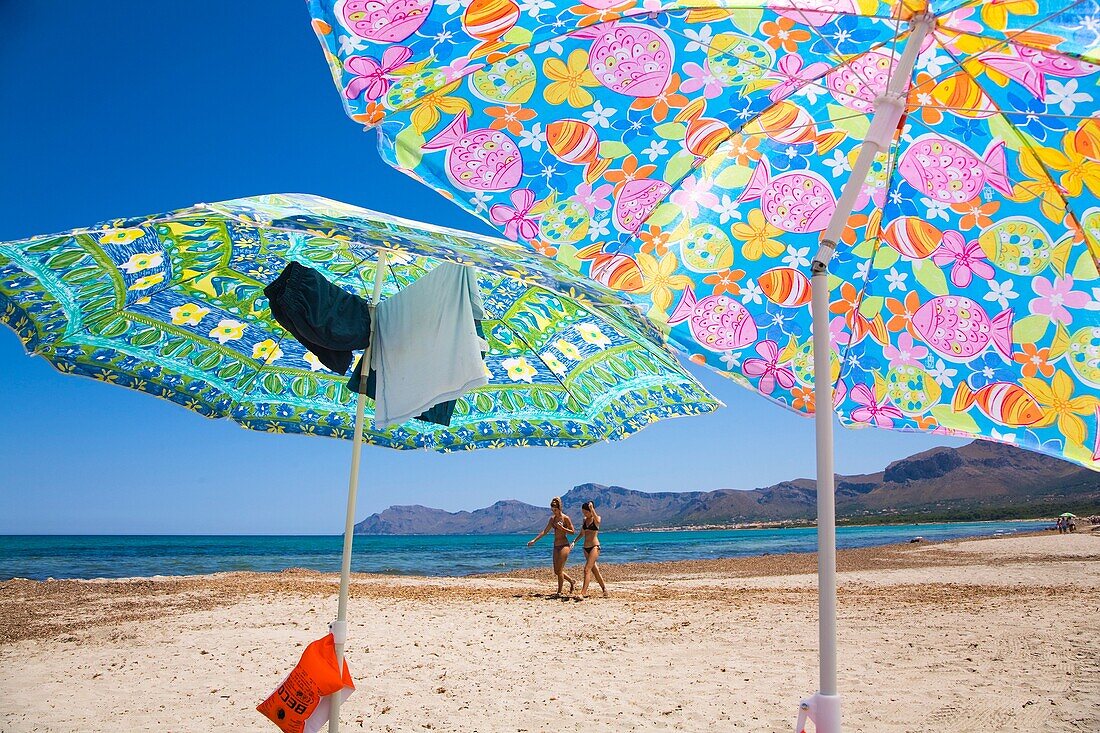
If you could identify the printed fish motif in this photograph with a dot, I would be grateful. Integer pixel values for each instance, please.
(913, 237)
(509, 81)
(960, 95)
(717, 322)
(788, 123)
(958, 328)
(616, 271)
(488, 21)
(796, 202)
(636, 201)
(383, 21)
(951, 172)
(1030, 67)
(577, 143)
(478, 160)
(1001, 402)
(704, 134)
(628, 58)
(785, 286)
(858, 83)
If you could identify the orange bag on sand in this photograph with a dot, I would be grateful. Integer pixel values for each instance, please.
(300, 704)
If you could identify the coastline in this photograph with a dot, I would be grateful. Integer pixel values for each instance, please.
(993, 633)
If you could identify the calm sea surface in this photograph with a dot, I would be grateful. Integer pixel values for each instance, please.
(120, 556)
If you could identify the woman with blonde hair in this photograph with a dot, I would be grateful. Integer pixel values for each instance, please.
(562, 527)
(589, 531)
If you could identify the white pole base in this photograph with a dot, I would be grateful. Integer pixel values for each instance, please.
(821, 710)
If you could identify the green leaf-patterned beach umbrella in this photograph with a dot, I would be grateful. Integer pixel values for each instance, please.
(173, 305)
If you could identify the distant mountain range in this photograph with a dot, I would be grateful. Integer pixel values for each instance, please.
(981, 480)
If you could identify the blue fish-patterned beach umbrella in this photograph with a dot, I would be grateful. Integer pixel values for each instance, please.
(884, 209)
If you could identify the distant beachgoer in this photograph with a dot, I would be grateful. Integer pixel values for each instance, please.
(1072, 521)
(1061, 525)
(562, 526)
(589, 530)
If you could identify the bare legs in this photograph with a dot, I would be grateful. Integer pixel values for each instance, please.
(561, 555)
(590, 570)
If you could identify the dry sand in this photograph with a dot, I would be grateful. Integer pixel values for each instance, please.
(983, 635)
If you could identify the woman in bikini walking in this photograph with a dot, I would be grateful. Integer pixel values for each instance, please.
(562, 527)
(589, 530)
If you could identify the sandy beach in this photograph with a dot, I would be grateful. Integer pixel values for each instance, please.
(993, 634)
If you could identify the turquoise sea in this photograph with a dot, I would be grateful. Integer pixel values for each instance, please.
(120, 556)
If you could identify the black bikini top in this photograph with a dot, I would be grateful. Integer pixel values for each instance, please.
(595, 526)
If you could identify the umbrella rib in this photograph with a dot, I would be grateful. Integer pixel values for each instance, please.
(1012, 40)
(1050, 115)
(1008, 40)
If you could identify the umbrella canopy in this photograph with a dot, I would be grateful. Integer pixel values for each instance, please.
(692, 157)
(173, 305)
(1068, 514)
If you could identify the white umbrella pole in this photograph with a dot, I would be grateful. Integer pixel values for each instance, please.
(339, 627)
(824, 707)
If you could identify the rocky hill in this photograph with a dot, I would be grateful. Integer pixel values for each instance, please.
(978, 479)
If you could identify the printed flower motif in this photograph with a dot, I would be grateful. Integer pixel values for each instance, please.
(266, 351)
(989, 368)
(934, 209)
(1055, 297)
(871, 410)
(728, 209)
(1039, 185)
(630, 171)
(517, 223)
(146, 282)
(797, 257)
(121, 236)
(430, 106)
(693, 193)
(1000, 293)
(700, 77)
(1058, 404)
(656, 149)
(227, 330)
(315, 364)
(591, 333)
(758, 236)
(901, 312)
(1035, 361)
(654, 240)
(519, 369)
(568, 350)
(553, 363)
(943, 374)
(593, 199)
(371, 115)
(660, 105)
(907, 353)
(751, 292)
(142, 261)
(658, 280)
(968, 259)
(725, 282)
(599, 116)
(370, 76)
(1079, 171)
(781, 34)
(768, 369)
(803, 398)
(974, 214)
(1065, 95)
(533, 138)
(569, 80)
(792, 75)
(510, 118)
(188, 314)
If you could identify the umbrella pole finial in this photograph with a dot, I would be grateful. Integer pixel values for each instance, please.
(339, 627)
(824, 707)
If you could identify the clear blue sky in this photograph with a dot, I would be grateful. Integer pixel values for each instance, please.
(129, 108)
